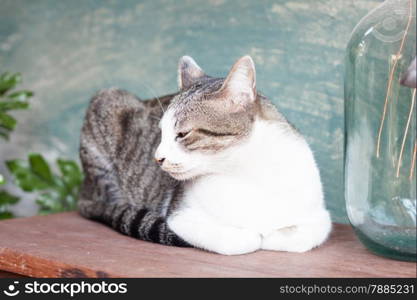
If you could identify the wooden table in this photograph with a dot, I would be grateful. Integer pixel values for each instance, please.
(67, 245)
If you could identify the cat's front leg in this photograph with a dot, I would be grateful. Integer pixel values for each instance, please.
(202, 231)
(299, 238)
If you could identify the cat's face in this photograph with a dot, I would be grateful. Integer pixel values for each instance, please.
(206, 119)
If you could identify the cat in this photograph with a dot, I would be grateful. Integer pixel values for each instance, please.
(215, 166)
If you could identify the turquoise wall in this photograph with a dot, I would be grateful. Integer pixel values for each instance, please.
(66, 50)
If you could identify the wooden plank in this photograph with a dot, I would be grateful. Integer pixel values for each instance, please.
(67, 245)
(4, 274)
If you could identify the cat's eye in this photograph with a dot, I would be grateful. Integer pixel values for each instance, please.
(182, 134)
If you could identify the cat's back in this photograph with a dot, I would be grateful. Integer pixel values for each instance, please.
(116, 118)
(119, 137)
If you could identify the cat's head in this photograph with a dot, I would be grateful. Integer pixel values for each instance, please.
(206, 119)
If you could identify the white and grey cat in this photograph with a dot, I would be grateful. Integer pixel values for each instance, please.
(241, 178)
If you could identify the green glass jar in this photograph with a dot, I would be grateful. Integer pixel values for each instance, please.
(380, 130)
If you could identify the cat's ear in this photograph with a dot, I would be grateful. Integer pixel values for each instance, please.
(240, 83)
(188, 72)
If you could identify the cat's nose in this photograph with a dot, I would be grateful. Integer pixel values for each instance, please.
(159, 157)
(159, 160)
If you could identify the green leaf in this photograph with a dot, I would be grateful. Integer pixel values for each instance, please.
(7, 121)
(50, 202)
(70, 202)
(20, 96)
(7, 199)
(58, 192)
(40, 167)
(4, 134)
(24, 177)
(71, 173)
(2, 179)
(11, 101)
(9, 81)
(9, 105)
(6, 215)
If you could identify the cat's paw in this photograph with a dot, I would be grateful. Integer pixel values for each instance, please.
(236, 241)
(208, 235)
(299, 238)
(276, 242)
(205, 233)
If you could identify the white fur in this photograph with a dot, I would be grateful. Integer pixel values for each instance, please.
(178, 163)
(264, 193)
(240, 84)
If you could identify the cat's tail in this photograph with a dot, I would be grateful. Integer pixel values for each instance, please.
(100, 199)
(134, 221)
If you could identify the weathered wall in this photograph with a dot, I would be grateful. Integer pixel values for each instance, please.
(66, 50)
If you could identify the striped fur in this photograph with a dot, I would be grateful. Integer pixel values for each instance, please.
(124, 187)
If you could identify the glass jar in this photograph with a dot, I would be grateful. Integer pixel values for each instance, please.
(380, 130)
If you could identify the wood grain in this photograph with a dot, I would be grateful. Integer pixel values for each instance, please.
(67, 245)
(4, 274)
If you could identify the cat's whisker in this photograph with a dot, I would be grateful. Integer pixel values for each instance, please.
(413, 100)
(151, 90)
(155, 117)
(160, 104)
